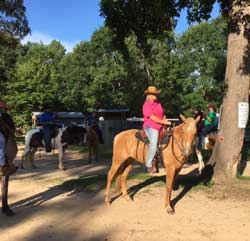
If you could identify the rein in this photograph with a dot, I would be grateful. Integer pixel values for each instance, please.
(180, 146)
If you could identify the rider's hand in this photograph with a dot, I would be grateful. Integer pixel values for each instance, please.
(166, 122)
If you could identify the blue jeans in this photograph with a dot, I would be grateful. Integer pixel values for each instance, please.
(152, 135)
(2, 149)
(48, 132)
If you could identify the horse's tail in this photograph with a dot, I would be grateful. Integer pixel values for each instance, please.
(115, 149)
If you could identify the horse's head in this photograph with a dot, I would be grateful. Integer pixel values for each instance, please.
(73, 135)
(189, 132)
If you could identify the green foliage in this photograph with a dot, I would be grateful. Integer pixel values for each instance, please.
(13, 19)
(201, 51)
(36, 84)
(144, 18)
(189, 69)
(8, 56)
(94, 75)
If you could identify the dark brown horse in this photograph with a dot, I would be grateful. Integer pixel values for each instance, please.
(174, 156)
(92, 141)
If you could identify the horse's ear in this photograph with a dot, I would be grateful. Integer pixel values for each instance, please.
(198, 118)
(183, 118)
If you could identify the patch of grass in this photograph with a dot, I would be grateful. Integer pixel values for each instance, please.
(139, 176)
(78, 148)
(244, 178)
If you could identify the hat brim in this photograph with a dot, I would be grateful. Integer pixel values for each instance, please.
(146, 92)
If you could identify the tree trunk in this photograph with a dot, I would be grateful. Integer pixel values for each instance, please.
(227, 150)
(147, 67)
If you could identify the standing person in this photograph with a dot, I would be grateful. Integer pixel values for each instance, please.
(8, 147)
(154, 119)
(92, 122)
(211, 124)
(48, 123)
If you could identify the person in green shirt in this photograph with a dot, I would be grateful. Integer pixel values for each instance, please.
(210, 122)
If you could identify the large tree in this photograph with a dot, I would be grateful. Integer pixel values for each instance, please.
(137, 16)
(227, 151)
(13, 27)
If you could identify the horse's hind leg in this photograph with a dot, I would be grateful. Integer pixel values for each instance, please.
(96, 153)
(114, 168)
(124, 180)
(5, 207)
(118, 184)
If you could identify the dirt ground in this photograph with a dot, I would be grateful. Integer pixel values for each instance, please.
(46, 210)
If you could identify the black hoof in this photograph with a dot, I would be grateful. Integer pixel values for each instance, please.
(8, 212)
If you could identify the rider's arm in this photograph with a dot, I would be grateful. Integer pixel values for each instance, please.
(163, 121)
(211, 117)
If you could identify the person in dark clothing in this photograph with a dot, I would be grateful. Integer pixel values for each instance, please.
(48, 123)
(8, 147)
(92, 122)
(201, 114)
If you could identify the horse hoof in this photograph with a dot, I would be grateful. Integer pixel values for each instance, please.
(170, 211)
(107, 201)
(127, 198)
(8, 212)
(62, 168)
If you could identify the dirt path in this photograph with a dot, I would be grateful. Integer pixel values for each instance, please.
(46, 210)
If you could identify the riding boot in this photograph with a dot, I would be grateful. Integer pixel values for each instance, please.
(47, 148)
(152, 169)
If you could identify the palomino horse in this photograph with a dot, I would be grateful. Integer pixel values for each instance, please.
(174, 156)
(65, 136)
(92, 141)
(11, 151)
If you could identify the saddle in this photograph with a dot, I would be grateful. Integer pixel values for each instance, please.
(164, 136)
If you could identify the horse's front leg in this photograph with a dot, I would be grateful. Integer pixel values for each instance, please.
(60, 154)
(170, 178)
(5, 206)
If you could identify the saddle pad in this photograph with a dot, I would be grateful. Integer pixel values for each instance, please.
(144, 139)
